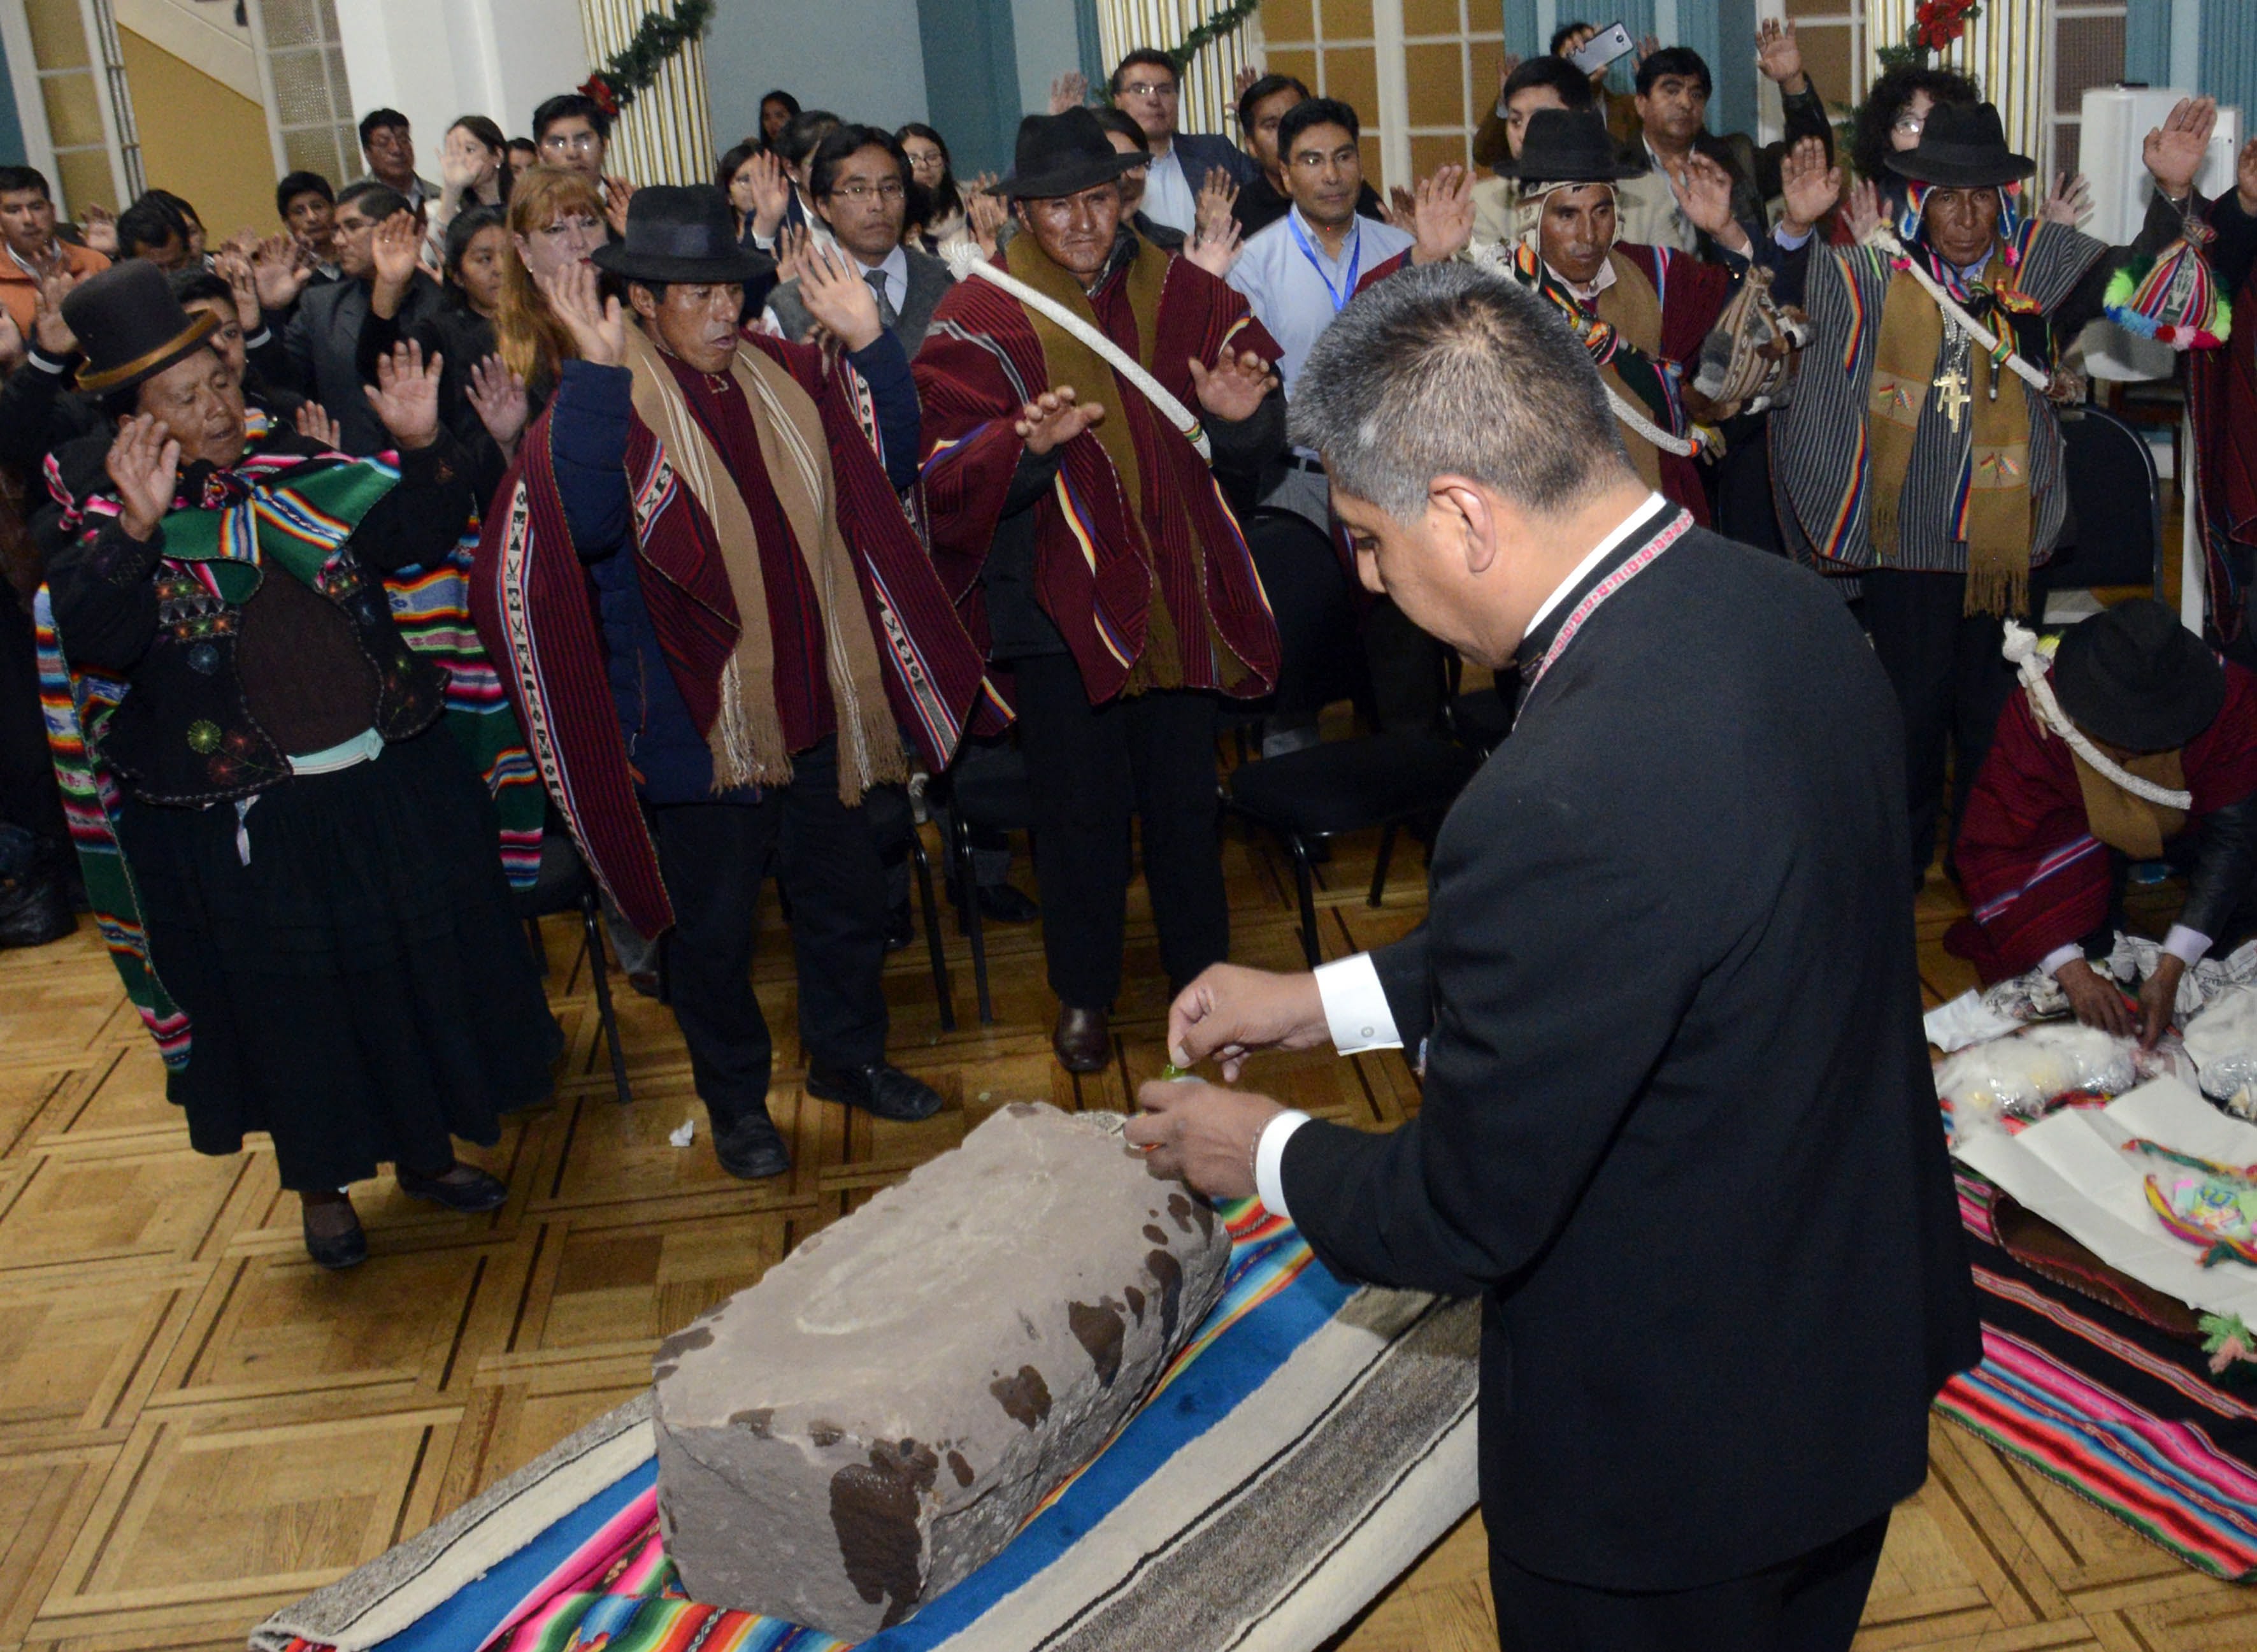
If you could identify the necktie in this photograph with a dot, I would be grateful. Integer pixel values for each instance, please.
(888, 318)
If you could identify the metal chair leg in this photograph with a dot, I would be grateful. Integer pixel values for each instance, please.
(601, 973)
(941, 991)
(540, 946)
(1379, 866)
(967, 895)
(1304, 884)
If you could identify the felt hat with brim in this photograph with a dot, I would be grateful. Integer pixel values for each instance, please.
(2133, 676)
(1962, 147)
(1569, 147)
(678, 232)
(1064, 155)
(131, 327)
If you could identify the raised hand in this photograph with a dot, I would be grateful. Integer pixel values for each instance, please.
(12, 348)
(598, 325)
(1647, 45)
(1442, 215)
(1402, 209)
(1778, 55)
(498, 396)
(985, 214)
(838, 298)
(1511, 62)
(1216, 251)
(145, 464)
(1234, 388)
(98, 228)
(1704, 193)
(2071, 200)
(2244, 178)
(1069, 90)
(2174, 151)
(406, 395)
(1216, 198)
(458, 169)
(771, 189)
(49, 330)
(1861, 211)
(617, 192)
(1054, 418)
(315, 424)
(393, 247)
(1240, 82)
(791, 246)
(1808, 184)
(280, 270)
(236, 269)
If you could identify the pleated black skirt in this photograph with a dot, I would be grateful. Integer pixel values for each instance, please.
(361, 989)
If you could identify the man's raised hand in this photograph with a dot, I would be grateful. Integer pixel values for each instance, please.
(1054, 418)
(2174, 151)
(1442, 215)
(406, 395)
(280, 272)
(771, 193)
(1779, 54)
(2244, 178)
(1069, 90)
(498, 397)
(1230, 1011)
(312, 422)
(1809, 184)
(598, 325)
(839, 300)
(1233, 388)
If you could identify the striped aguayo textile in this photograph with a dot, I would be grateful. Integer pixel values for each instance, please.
(1304, 1448)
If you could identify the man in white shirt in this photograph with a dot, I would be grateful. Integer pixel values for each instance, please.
(1147, 88)
(1666, 1002)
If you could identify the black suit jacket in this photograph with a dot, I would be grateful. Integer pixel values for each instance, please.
(1679, 1128)
(929, 281)
(320, 356)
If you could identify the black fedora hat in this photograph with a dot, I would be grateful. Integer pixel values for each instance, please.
(678, 232)
(1568, 146)
(2131, 676)
(129, 326)
(1963, 148)
(1064, 155)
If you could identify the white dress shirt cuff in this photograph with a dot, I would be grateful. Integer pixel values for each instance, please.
(2059, 955)
(1788, 243)
(2186, 944)
(1355, 1006)
(1269, 1161)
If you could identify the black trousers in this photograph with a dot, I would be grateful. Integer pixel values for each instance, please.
(1314, 606)
(28, 794)
(1951, 684)
(713, 856)
(1809, 1603)
(1153, 756)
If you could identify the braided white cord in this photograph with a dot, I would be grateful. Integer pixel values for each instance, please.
(2022, 651)
(1883, 240)
(1491, 256)
(967, 261)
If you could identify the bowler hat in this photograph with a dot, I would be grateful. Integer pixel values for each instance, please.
(1962, 147)
(1064, 155)
(678, 232)
(129, 326)
(1567, 146)
(2131, 676)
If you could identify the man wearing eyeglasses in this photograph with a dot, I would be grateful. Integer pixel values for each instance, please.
(859, 180)
(1147, 88)
(571, 131)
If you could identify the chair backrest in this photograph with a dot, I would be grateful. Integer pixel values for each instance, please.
(2116, 509)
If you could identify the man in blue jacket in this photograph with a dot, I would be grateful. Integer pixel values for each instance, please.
(1147, 88)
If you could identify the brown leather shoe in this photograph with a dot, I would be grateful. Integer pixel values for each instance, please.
(1082, 1040)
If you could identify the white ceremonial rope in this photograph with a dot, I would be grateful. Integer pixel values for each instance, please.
(1883, 240)
(1492, 257)
(966, 259)
(2021, 652)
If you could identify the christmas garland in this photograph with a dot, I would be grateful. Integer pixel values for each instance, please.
(1935, 24)
(1226, 21)
(656, 42)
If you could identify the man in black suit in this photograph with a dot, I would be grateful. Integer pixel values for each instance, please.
(858, 178)
(1146, 88)
(1679, 1130)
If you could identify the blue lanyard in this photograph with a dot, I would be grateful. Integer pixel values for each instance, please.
(1340, 295)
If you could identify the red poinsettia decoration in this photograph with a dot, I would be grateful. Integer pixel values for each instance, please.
(598, 90)
(1936, 24)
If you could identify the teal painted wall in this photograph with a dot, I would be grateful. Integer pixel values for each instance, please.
(972, 80)
(11, 128)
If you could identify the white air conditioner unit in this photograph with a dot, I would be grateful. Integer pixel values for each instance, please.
(2116, 125)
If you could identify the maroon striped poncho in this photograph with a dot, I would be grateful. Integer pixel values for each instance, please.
(2035, 875)
(1100, 557)
(534, 607)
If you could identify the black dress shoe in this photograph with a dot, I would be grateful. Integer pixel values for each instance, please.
(339, 1250)
(469, 1193)
(879, 1089)
(34, 910)
(751, 1148)
(1084, 1043)
(999, 903)
(901, 928)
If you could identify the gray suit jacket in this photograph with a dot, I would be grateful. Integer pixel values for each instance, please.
(1197, 151)
(929, 280)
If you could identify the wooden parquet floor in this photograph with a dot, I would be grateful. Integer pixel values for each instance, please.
(197, 1426)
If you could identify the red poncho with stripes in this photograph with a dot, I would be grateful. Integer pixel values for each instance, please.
(2035, 875)
(1101, 558)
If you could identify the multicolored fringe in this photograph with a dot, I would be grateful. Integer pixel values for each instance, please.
(75, 706)
(2171, 299)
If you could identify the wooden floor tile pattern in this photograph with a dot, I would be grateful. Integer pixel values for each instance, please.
(197, 1425)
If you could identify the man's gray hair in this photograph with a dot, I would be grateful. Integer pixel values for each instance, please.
(1446, 369)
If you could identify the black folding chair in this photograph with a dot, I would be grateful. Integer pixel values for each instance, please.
(991, 794)
(563, 884)
(2116, 530)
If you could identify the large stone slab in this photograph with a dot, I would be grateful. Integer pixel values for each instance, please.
(853, 1434)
